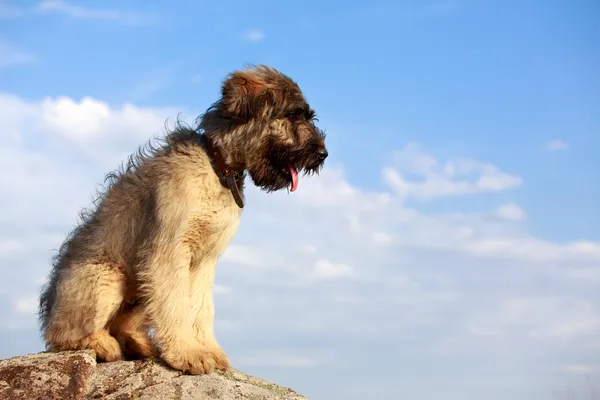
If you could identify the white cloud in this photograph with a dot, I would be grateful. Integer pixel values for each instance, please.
(382, 239)
(80, 12)
(325, 269)
(532, 249)
(14, 113)
(448, 179)
(589, 274)
(309, 249)
(97, 129)
(580, 369)
(221, 289)
(254, 35)
(243, 255)
(510, 211)
(27, 305)
(12, 56)
(77, 120)
(538, 317)
(75, 11)
(556, 145)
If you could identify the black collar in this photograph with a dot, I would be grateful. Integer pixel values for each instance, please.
(225, 172)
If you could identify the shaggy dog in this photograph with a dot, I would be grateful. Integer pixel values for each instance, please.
(145, 256)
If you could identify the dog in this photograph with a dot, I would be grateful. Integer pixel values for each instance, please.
(143, 258)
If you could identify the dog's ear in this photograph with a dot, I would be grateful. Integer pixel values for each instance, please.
(244, 93)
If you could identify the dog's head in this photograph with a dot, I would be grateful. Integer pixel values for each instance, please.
(281, 139)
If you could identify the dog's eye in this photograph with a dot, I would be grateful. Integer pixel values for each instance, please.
(295, 115)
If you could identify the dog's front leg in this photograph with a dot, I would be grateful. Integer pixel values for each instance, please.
(203, 309)
(164, 278)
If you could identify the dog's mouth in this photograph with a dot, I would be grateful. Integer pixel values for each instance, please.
(293, 175)
(291, 170)
(285, 167)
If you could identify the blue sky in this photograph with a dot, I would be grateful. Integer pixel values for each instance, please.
(449, 250)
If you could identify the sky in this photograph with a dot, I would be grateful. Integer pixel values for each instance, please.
(450, 249)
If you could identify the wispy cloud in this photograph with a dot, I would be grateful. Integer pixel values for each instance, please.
(537, 317)
(221, 289)
(510, 211)
(243, 255)
(79, 12)
(557, 145)
(325, 269)
(10, 55)
(451, 178)
(580, 368)
(27, 305)
(254, 35)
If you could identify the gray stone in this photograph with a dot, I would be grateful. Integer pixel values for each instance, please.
(75, 375)
(47, 376)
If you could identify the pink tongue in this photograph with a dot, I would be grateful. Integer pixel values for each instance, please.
(294, 174)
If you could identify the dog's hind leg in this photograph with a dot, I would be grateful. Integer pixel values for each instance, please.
(87, 299)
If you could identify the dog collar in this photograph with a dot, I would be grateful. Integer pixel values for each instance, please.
(228, 174)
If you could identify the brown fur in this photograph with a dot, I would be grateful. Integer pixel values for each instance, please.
(145, 256)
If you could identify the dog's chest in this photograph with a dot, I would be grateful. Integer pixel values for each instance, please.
(211, 229)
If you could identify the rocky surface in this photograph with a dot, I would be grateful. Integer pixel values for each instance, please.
(75, 375)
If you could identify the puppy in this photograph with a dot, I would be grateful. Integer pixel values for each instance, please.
(145, 256)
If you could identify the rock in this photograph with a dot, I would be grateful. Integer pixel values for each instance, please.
(47, 376)
(75, 375)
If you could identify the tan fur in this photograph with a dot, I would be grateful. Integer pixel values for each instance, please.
(146, 257)
(198, 220)
(88, 297)
(130, 329)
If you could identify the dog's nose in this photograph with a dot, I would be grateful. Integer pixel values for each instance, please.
(322, 153)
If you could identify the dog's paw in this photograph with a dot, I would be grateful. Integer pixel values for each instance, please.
(104, 345)
(112, 352)
(192, 359)
(221, 360)
(139, 345)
